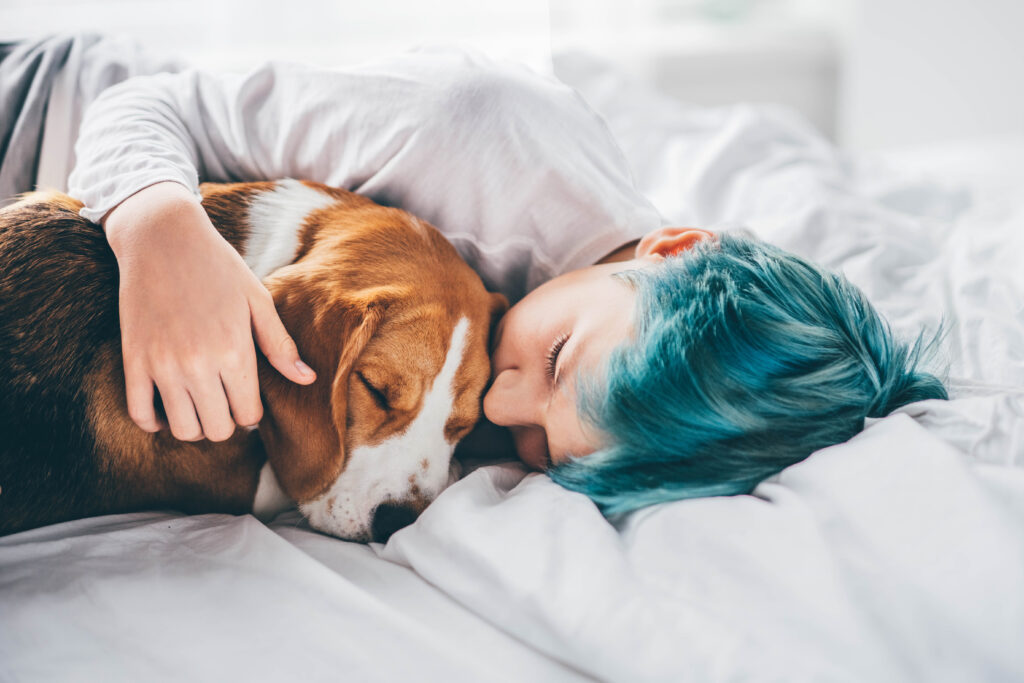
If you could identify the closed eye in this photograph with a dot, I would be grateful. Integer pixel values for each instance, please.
(552, 357)
(378, 396)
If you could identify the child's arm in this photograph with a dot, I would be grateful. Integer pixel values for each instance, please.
(189, 306)
(513, 168)
(189, 309)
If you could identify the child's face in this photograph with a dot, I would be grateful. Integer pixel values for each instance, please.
(587, 313)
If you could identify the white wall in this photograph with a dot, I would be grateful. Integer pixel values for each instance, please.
(908, 71)
(916, 72)
(714, 52)
(790, 65)
(238, 34)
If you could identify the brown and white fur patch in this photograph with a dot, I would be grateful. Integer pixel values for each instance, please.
(393, 321)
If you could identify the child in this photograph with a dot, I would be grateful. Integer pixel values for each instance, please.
(643, 363)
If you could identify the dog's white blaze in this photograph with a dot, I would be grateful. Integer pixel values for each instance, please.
(275, 219)
(389, 470)
(270, 499)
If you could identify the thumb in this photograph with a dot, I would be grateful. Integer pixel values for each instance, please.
(277, 345)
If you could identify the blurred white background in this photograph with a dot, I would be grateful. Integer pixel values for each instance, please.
(869, 73)
(237, 34)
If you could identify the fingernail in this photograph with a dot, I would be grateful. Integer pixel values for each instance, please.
(304, 369)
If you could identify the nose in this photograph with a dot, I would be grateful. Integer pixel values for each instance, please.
(389, 518)
(513, 400)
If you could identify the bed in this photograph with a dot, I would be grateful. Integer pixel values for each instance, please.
(898, 555)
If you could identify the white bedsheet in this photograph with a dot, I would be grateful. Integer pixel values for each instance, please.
(896, 556)
(159, 596)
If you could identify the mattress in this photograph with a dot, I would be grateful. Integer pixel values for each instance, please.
(897, 555)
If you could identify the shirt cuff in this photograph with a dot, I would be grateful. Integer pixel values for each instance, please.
(104, 196)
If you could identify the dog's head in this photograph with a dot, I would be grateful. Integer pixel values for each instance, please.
(396, 326)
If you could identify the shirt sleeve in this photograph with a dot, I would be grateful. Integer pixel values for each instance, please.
(513, 167)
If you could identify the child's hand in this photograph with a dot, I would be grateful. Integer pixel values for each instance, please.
(189, 309)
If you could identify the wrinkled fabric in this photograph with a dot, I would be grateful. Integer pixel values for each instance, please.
(448, 134)
(895, 556)
(45, 86)
(27, 72)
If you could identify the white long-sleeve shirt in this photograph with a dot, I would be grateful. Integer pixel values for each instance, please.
(514, 168)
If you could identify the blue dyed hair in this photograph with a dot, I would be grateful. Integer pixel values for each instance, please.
(745, 359)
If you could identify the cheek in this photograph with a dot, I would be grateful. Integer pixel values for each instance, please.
(531, 446)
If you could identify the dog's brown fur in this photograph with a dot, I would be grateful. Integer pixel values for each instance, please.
(363, 274)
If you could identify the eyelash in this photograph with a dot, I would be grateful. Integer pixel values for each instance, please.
(553, 352)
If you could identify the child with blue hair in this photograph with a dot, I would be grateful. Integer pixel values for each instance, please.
(742, 359)
(640, 363)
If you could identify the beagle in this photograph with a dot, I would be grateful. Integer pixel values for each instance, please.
(393, 321)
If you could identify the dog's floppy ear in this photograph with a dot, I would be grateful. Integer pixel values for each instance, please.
(499, 305)
(303, 427)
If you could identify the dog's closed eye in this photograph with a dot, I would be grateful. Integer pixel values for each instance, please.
(379, 394)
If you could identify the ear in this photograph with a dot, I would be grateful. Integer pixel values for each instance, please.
(303, 427)
(354, 347)
(669, 241)
(499, 304)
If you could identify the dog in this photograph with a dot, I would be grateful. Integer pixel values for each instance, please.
(394, 322)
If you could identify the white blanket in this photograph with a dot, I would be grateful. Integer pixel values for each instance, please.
(892, 557)
(896, 556)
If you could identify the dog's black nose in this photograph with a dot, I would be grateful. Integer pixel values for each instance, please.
(389, 518)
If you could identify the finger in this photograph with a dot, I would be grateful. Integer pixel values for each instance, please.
(212, 409)
(161, 414)
(277, 345)
(241, 385)
(139, 397)
(181, 413)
